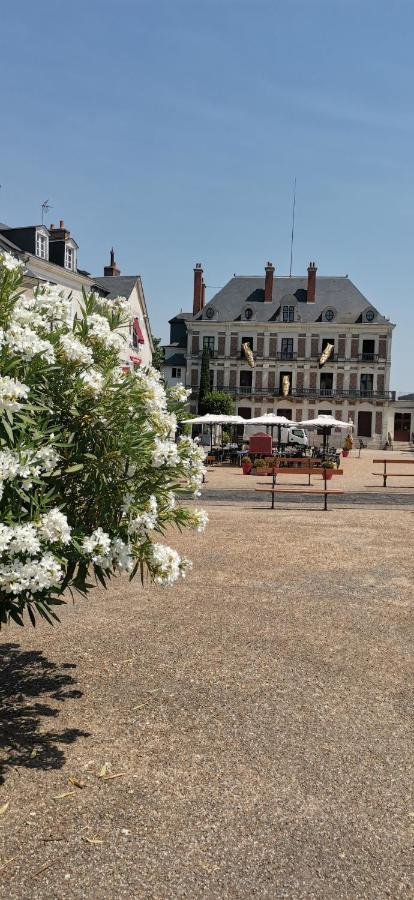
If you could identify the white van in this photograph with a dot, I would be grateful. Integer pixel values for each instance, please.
(289, 434)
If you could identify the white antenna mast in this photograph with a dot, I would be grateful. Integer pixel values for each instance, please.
(293, 228)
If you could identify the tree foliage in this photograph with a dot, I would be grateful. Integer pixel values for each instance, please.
(204, 387)
(90, 471)
(218, 403)
(158, 354)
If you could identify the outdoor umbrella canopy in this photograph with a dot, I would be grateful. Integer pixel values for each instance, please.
(215, 419)
(325, 424)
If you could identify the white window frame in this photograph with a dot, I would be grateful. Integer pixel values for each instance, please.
(177, 370)
(42, 239)
(69, 248)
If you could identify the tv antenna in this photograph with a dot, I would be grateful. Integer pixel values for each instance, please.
(45, 209)
(293, 228)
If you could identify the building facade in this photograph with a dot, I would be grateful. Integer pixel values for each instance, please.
(51, 255)
(287, 323)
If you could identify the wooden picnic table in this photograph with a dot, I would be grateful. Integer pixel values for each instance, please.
(394, 462)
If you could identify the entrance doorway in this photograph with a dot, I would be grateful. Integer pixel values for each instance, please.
(287, 413)
(402, 426)
(364, 424)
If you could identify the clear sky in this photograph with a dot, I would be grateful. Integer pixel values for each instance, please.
(173, 129)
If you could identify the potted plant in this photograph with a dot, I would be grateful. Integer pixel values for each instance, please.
(328, 466)
(246, 465)
(261, 467)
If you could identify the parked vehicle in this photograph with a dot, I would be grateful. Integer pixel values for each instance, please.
(290, 435)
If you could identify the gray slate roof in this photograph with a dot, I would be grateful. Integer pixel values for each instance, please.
(117, 285)
(177, 359)
(338, 293)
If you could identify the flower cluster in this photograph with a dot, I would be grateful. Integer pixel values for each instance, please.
(26, 465)
(9, 262)
(100, 329)
(92, 381)
(107, 553)
(25, 342)
(165, 453)
(11, 393)
(74, 351)
(168, 565)
(179, 393)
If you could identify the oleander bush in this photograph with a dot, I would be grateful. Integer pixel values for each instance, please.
(90, 471)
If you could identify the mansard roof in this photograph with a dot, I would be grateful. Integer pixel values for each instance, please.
(332, 292)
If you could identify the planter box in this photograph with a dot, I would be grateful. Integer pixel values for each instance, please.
(247, 468)
(262, 471)
(345, 453)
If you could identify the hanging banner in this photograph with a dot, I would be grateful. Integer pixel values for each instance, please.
(326, 353)
(248, 354)
(285, 385)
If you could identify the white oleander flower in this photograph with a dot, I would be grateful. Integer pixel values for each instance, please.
(27, 343)
(9, 262)
(54, 304)
(168, 565)
(54, 527)
(98, 547)
(17, 577)
(11, 392)
(199, 520)
(26, 314)
(92, 381)
(24, 540)
(146, 521)
(74, 350)
(165, 453)
(6, 534)
(99, 328)
(121, 555)
(180, 393)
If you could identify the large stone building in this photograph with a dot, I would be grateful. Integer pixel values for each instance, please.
(287, 323)
(51, 254)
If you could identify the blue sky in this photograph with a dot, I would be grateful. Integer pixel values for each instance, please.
(173, 129)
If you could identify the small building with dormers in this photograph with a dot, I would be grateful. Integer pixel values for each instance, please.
(50, 254)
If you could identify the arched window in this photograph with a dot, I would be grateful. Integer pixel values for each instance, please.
(288, 313)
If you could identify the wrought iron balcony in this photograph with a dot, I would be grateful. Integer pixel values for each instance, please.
(302, 393)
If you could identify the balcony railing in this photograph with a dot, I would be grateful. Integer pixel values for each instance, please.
(300, 393)
(288, 355)
(368, 357)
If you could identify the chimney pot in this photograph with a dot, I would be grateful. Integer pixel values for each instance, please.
(51, 228)
(112, 269)
(198, 297)
(61, 224)
(269, 271)
(311, 283)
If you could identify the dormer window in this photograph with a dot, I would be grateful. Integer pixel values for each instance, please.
(69, 257)
(288, 313)
(42, 245)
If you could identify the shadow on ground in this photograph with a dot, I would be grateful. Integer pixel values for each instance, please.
(28, 684)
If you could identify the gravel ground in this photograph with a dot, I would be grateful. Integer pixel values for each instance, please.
(258, 716)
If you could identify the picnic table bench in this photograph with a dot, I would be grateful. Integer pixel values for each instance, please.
(275, 488)
(302, 470)
(278, 490)
(394, 462)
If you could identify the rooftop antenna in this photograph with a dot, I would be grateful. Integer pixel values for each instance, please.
(293, 228)
(45, 209)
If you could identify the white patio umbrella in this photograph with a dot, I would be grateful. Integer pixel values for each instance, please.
(215, 419)
(271, 420)
(325, 424)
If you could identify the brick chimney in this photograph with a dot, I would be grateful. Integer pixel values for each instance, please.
(269, 270)
(198, 300)
(311, 282)
(112, 269)
(59, 233)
